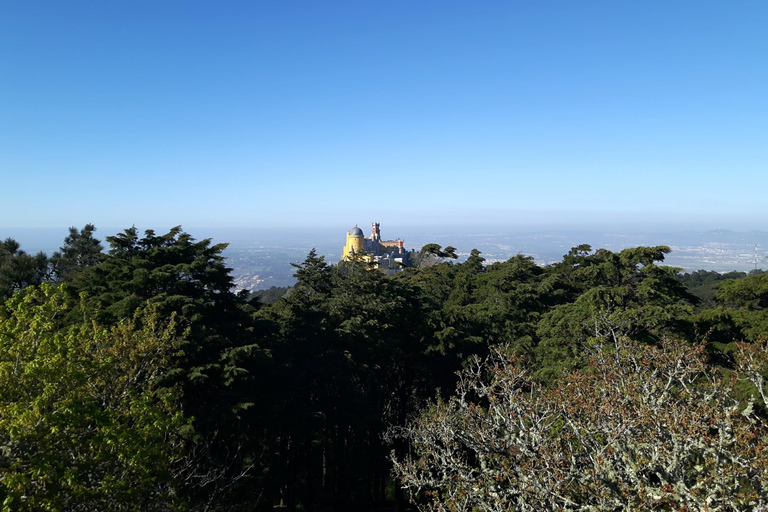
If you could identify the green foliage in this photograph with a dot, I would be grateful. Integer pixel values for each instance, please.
(474, 263)
(83, 422)
(501, 304)
(433, 254)
(314, 276)
(381, 345)
(179, 276)
(220, 366)
(270, 295)
(737, 313)
(80, 250)
(171, 270)
(19, 269)
(605, 293)
(750, 293)
(346, 344)
(704, 284)
(285, 400)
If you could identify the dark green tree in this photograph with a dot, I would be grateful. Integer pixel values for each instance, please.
(739, 314)
(624, 294)
(750, 293)
(349, 343)
(19, 269)
(704, 284)
(433, 254)
(173, 271)
(221, 365)
(80, 250)
(474, 263)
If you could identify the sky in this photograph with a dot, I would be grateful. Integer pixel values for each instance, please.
(294, 113)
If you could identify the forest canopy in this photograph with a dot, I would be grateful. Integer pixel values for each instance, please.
(136, 378)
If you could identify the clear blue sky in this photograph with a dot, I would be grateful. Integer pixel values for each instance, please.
(292, 112)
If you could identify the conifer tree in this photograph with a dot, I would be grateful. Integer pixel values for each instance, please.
(80, 250)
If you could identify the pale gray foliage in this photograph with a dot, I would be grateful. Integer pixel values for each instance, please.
(641, 428)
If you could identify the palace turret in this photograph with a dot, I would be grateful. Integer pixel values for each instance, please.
(388, 255)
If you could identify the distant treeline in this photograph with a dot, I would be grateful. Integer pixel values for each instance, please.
(704, 284)
(136, 379)
(270, 295)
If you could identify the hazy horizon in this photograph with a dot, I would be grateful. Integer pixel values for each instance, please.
(715, 249)
(226, 234)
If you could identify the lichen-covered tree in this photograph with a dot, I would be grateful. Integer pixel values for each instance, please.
(638, 428)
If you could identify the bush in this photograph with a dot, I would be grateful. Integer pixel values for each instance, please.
(638, 428)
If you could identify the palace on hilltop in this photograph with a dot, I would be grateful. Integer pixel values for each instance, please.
(389, 256)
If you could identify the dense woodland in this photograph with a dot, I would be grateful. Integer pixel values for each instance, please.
(135, 378)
